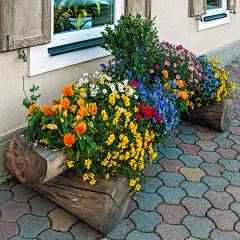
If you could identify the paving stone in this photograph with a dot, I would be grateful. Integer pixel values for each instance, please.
(212, 169)
(122, 229)
(136, 235)
(227, 153)
(192, 174)
(230, 165)
(234, 65)
(237, 112)
(222, 235)
(5, 196)
(62, 220)
(173, 142)
(159, 156)
(53, 235)
(224, 220)
(8, 230)
(185, 122)
(210, 157)
(20, 238)
(151, 185)
(220, 134)
(176, 132)
(235, 138)
(224, 143)
(145, 221)
(11, 210)
(7, 186)
(235, 122)
(233, 178)
(187, 129)
(217, 184)
(148, 201)
(235, 207)
(171, 165)
(237, 227)
(172, 214)
(189, 149)
(171, 195)
(22, 193)
(201, 128)
(171, 153)
(198, 227)
(191, 161)
(189, 139)
(172, 232)
(236, 106)
(205, 136)
(207, 145)
(41, 205)
(234, 191)
(234, 115)
(82, 231)
(219, 200)
(132, 206)
(238, 157)
(196, 207)
(171, 179)
(152, 170)
(192, 238)
(234, 130)
(194, 189)
(236, 147)
(31, 226)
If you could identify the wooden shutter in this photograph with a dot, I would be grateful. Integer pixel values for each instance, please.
(24, 23)
(231, 4)
(197, 7)
(143, 7)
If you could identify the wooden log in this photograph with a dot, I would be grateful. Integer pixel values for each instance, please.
(33, 165)
(102, 205)
(216, 116)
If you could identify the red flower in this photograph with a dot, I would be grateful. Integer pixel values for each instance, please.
(138, 116)
(158, 117)
(135, 84)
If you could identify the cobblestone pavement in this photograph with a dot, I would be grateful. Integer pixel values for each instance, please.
(192, 192)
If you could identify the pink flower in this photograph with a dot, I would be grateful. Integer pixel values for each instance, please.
(167, 63)
(166, 59)
(175, 70)
(151, 70)
(157, 66)
(178, 77)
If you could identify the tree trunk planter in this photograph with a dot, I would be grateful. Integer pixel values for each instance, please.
(216, 116)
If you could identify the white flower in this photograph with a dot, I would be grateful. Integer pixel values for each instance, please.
(96, 72)
(79, 84)
(120, 85)
(125, 82)
(112, 87)
(109, 78)
(92, 85)
(114, 91)
(86, 80)
(93, 94)
(121, 110)
(105, 76)
(80, 80)
(94, 76)
(121, 89)
(131, 91)
(136, 96)
(97, 87)
(104, 91)
(128, 119)
(85, 74)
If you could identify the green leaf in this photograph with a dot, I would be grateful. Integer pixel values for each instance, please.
(89, 150)
(70, 152)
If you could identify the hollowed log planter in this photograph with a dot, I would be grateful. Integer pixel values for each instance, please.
(216, 116)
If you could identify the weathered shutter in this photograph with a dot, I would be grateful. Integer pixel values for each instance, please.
(197, 7)
(143, 7)
(24, 23)
(231, 4)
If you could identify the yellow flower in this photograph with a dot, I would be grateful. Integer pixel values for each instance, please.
(44, 127)
(88, 163)
(132, 183)
(107, 176)
(85, 177)
(136, 109)
(65, 113)
(138, 187)
(82, 90)
(92, 182)
(70, 164)
(91, 175)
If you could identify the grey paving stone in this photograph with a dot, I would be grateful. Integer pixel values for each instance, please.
(199, 227)
(159, 156)
(210, 157)
(191, 161)
(194, 189)
(54, 235)
(145, 221)
(20, 238)
(235, 207)
(171, 153)
(136, 235)
(151, 185)
(82, 231)
(22, 193)
(172, 195)
(5, 196)
(230, 165)
(7, 186)
(171, 179)
(31, 226)
(148, 201)
(172, 142)
(207, 145)
(223, 235)
(8, 230)
(41, 205)
(234, 122)
(220, 134)
(217, 184)
(238, 157)
(237, 226)
(212, 169)
(235, 138)
(223, 142)
(185, 122)
(187, 129)
(233, 178)
(152, 170)
(189, 139)
(122, 229)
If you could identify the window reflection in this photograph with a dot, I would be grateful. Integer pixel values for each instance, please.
(213, 4)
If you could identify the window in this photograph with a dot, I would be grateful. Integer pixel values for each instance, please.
(217, 14)
(74, 21)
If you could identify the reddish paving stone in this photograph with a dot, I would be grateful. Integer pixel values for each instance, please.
(218, 234)
(234, 130)
(234, 191)
(201, 128)
(219, 200)
(172, 166)
(196, 207)
(11, 210)
(132, 206)
(236, 101)
(236, 147)
(22, 193)
(227, 153)
(210, 157)
(176, 132)
(172, 214)
(189, 149)
(224, 220)
(8, 230)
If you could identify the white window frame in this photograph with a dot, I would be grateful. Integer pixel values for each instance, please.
(205, 25)
(40, 60)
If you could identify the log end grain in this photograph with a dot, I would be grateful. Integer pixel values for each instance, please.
(227, 115)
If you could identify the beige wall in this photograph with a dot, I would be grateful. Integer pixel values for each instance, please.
(174, 26)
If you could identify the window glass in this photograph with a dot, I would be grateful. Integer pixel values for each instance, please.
(75, 15)
(213, 4)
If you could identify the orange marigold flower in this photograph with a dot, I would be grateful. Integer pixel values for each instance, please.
(65, 103)
(73, 108)
(183, 94)
(92, 108)
(80, 102)
(69, 139)
(52, 112)
(32, 107)
(54, 101)
(83, 94)
(82, 111)
(68, 91)
(166, 85)
(187, 103)
(45, 109)
(180, 83)
(81, 128)
(165, 74)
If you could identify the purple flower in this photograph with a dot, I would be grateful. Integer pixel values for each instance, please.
(157, 66)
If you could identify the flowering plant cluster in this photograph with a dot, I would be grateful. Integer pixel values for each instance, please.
(97, 123)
